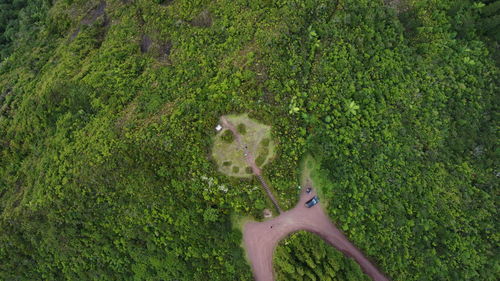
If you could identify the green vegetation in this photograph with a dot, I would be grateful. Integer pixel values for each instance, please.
(265, 142)
(17, 20)
(235, 169)
(263, 156)
(227, 136)
(260, 160)
(242, 129)
(107, 111)
(304, 256)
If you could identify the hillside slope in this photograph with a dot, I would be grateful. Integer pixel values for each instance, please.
(108, 109)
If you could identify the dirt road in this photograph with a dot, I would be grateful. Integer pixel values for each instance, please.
(261, 238)
(250, 159)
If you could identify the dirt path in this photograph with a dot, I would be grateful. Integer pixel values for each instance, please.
(250, 159)
(261, 238)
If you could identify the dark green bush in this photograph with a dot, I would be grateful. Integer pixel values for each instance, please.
(227, 136)
(242, 129)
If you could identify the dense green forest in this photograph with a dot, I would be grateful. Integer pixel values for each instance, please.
(107, 115)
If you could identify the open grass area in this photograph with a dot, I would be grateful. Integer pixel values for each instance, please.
(228, 154)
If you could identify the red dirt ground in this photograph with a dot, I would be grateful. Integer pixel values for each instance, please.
(261, 238)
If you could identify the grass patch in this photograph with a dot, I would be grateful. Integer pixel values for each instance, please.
(311, 170)
(227, 163)
(262, 157)
(260, 160)
(265, 142)
(248, 170)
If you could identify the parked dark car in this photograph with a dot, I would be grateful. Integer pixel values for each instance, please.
(312, 202)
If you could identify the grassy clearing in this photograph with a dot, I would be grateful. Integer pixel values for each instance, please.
(229, 156)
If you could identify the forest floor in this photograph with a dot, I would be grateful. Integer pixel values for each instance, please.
(261, 238)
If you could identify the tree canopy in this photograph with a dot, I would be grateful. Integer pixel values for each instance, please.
(107, 116)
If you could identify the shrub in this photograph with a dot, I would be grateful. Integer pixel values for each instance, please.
(227, 136)
(242, 129)
(236, 169)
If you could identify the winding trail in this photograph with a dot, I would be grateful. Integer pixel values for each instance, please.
(261, 238)
(250, 159)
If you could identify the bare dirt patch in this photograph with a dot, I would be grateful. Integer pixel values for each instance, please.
(166, 48)
(158, 48)
(145, 43)
(95, 13)
(204, 19)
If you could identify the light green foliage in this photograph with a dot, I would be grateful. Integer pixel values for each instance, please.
(105, 167)
(304, 256)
